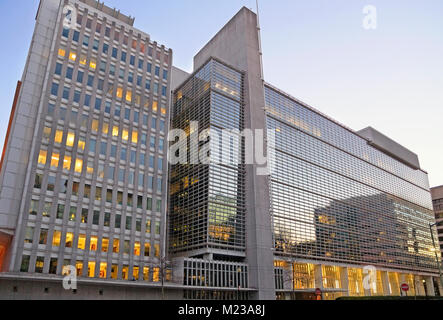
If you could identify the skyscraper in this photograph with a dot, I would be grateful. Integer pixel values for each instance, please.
(84, 171)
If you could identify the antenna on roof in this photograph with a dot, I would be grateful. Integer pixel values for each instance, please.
(259, 42)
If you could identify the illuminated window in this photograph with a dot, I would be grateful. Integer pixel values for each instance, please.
(72, 56)
(56, 238)
(129, 95)
(61, 52)
(134, 136)
(125, 134)
(69, 240)
(58, 136)
(146, 273)
(157, 250)
(119, 92)
(137, 248)
(78, 165)
(105, 244)
(105, 128)
(67, 163)
(42, 157)
(90, 168)
(125, 271)
(79, 267)
(156, 275)
(135, 272)
(154, 106)
(81, 144)
(70, 139)
(81, 242)
(93, 243)
(93, 64)
(46, 133)
(115, 131)
(116, 246)
(83, 59)
(54, 160)
(147, 249)
(103, 267)
(95, 125)
(163, 110)
(114, 271)
(91, 269)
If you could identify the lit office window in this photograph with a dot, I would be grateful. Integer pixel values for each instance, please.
(42, 157)
(54, 160)
(81, 242)
(56, 238)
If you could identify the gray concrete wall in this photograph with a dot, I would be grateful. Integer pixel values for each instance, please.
(390, 147)
(237, 44)
(53, 290)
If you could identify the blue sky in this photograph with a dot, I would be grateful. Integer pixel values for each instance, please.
(390, 78)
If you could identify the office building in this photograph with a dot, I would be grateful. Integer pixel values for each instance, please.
(84, 171)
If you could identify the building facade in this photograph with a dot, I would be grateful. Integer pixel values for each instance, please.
(84, 173)
(437, 201)
(85, 179)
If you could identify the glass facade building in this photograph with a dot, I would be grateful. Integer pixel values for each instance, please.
(207, 202)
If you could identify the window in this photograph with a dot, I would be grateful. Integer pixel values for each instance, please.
(96, 218)
(149, 205)
(67, 163)
(54, 89)
(149, 68)
(159, 205)
(128, 223)
(114, 52)
(61, 52)
(92, 145)
(87, 100)
(65, 93)
(85, 40)
(80, 76)
(157, 227)
(93, 243)
(69, 240)
(81, 242)
(98, 104)
(157, 71)
(105, 48)
(98, 193)
(84, 216)
(56, 236)
(42, 157)
(83, 59)
(58, 69)
(132, 60)
(58, 138)
(60, 211)
(152, 142)
(72, 56)
(90, 80)
(95, 45)
(105, 244)
(24, 267)
(76, 36)
(164, 90)
(134, 136)
(29, 234)
(77, 96)
(72, 213)
(118, 221)
(165, 74)
(54, 160)
(78, 165)
(70, 139)
(137, 248)
(123, 56)
(91, 269)
(39, 263)
(147, 249)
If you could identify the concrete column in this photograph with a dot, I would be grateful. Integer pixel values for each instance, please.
(385, 282)
(430, 286)
(318, 277)
(344, 278)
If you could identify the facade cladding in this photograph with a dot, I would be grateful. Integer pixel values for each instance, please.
(336, 199)
(94, 193)
(207, 202)
(437, 201)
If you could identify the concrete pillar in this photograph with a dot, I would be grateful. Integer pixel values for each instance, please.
(430, 286)
(385, 282)
(344, 278)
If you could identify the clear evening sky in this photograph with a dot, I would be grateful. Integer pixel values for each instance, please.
(318, 51)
